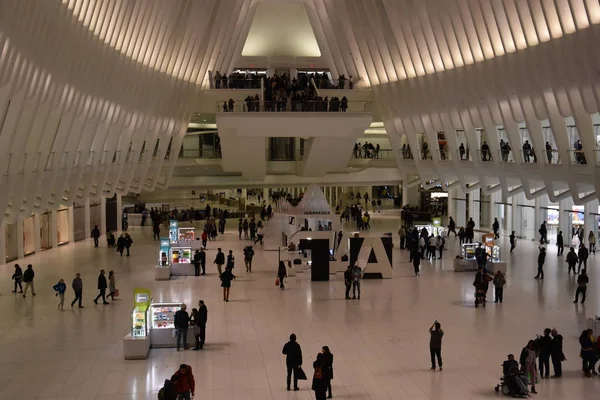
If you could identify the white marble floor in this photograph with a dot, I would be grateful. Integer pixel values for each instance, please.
(380, 343)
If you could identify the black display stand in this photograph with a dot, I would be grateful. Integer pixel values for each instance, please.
(319, 251)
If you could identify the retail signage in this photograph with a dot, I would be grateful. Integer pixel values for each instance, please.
(163, 255)
(173, 231)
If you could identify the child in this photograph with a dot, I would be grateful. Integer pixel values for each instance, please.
(60, 288)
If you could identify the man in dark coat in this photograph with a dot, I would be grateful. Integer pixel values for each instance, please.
(102, 285)
(293, 360)
(95, 235)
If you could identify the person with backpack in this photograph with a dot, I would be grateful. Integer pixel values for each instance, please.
(185, 382)
(319, 382)
(169, 389)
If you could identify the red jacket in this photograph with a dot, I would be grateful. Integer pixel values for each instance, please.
(204, 236)
(186, 382)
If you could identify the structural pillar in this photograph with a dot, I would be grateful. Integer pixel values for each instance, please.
(474, 205)
(266, 194)
(71, 215)
(102, 216)
(562, 222)
(37, 239)
(3, 243)
(119, 211)
(20, 244)
(88, 217)
(590, 223)
(53, 229)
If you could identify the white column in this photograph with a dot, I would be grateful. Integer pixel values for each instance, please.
(102, 217)
(591, 209)
(562, 222)
(244, 194)
(37, 239)
(119, 211)
(70, 213)
(3, 243)
(88, 218)
(459, 207)
(474, 207)
(20, 244)
(266, 194)
(53, 229)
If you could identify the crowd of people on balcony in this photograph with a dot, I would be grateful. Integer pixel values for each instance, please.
(367, 150)
(240, 80)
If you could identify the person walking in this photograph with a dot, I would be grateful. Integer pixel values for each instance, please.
(96, 235)
(592, 242)
(356, 277)
(496, 228)
(560, 243)
(328, 370)
(156, 231)
(77, 286)
(572, 259)
(541, 259)
(219, 260)
(513, 241)
(112, 285)
(348, 280)
(248, 256)
(196, 262)
(499, 282)
(204, 238)
(583, 255)
(293, 360)
(18, 278)
(416, 260)
(259, 235)
(451, 227)
(281, 274)
(128, 243)
(185, 382)
(230, 260)
(60, 288)
(226, 277)
(319, 381)
(28, 276)
(201, 324)
(556, 353)
(121, 244)
(102, 285)
(182, 323)
(202, 260)
(435, 344)
(582, 282)
(544, 349)
(543, 233)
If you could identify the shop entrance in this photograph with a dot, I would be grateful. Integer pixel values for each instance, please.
(10, 243)
(29, 236)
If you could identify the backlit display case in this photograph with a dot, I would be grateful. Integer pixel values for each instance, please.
(187, 234)
(163, 315)
(181, 255)
(139, 326)
(493, 252)
(467, 251)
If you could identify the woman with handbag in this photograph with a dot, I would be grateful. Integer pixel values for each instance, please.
(328, 371)
(194, 322)
(281, 274)
(112, 285)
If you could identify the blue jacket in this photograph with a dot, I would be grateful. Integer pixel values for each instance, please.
(60, 288)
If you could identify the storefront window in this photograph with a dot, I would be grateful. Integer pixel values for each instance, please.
(11, 242)
(45, 239)
(28, 236)
(62, 226)
(551, 218)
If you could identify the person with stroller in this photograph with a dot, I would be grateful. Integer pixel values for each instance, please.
(513, 378)
(482, 283)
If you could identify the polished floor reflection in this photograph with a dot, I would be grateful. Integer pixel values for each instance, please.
(380, 343)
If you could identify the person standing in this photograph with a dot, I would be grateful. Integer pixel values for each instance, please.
(348, 280)
(95, 235)
(496, 228)
(18, 278)
(582, 282)
(182, 323)
(102, 285)
(246, 227)
(293, 360)
(328, 370)
(281, 274)
(416, 260)
(219, 260)
(201, 323)
(77, 286)
(259, 235)
(230, 260)
(499, 282)
(435, 344)
(513, 241)
(560, 243)
(543, 233)
(356, 277)
(319, 381)
(156, 231)
(194, 324)
(541, 259)
(185, 382)
(592, 242)
(112, 285)
(556, 352)
(583, 255)
(528, 364)
(28, 276)
(587, 352)
(121, 244)
(204, 238)
(202, 260)
(572, 259)
(226, 277)
(60, 288)
(252, 227)
(544, 348)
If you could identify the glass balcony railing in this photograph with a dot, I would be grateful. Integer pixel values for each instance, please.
(294, 106)
(210, 154)
(382, 154)
(506, 156)
(577, 157)
(464, 155)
